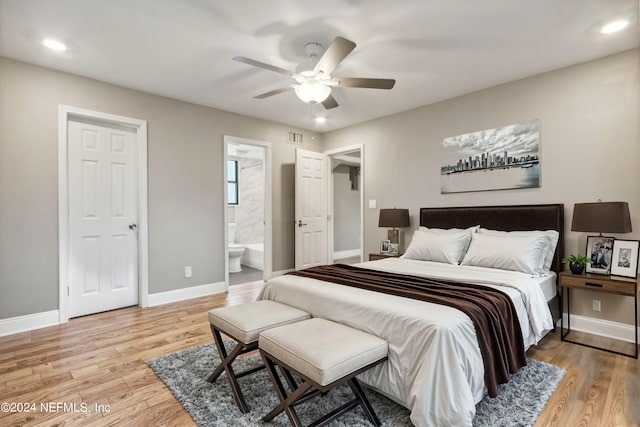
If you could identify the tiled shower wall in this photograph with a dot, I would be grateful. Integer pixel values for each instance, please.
(249, 214)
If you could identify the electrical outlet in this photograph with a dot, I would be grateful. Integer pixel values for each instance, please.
(596, 305)
(187, 271)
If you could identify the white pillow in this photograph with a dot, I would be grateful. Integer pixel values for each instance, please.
(439, 247)
(517, 253)
(471, 229)
(547, 253)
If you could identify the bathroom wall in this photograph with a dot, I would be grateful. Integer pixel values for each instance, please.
(249, 213)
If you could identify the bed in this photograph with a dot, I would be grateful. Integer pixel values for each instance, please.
(435, 367)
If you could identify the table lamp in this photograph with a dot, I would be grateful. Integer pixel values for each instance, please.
(394, 218)
(601, 217)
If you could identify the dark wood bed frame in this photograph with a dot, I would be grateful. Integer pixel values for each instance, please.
(506, 218)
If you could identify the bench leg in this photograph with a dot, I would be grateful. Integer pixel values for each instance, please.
(364, 402)
(225, 366)
(286, 401)
(222, 351)
(290, 380)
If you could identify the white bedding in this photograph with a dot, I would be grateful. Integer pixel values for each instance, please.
(548, 286)
(435, 367)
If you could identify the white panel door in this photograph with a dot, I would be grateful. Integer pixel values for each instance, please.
(103, 244)
(311, 209)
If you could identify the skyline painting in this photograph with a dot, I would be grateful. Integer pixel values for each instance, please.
(503, 158)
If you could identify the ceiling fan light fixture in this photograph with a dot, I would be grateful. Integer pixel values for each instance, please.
(313, 77)
(312, 93)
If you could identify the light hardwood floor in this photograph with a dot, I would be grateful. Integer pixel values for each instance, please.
(100, 360)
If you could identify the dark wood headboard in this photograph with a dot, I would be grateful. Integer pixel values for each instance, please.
(506, 218)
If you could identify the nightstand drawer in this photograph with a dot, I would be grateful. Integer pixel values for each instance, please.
(594, 282)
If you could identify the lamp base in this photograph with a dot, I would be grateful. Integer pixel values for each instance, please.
(393, 235)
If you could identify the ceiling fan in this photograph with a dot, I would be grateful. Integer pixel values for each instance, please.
(313, 78)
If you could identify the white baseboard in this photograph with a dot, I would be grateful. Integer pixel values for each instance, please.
(605, 328)
(186, 293)
(29, 322)
(346, 254)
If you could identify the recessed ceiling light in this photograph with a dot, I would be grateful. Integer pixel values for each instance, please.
(54, 45)
(321, 119)
(614, 26)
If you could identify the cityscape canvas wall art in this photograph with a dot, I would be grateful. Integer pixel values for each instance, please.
(507, 157)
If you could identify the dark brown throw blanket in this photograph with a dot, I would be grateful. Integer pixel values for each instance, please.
(492, 311)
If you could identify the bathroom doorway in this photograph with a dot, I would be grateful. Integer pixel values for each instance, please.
(248, 214)
(346, 200)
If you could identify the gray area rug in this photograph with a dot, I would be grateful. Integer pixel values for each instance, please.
(185, 373)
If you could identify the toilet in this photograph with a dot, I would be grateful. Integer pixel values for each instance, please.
(235, 250)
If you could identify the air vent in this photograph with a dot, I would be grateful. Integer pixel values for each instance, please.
(294, 138)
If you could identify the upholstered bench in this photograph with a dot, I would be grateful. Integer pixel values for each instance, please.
(323, 354)
(244, 323)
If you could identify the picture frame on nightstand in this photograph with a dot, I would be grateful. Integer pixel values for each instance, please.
(624, 261)
(384, 246)
(599, 251)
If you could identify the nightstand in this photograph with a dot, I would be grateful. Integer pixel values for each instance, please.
(597, 283)
(374, 257)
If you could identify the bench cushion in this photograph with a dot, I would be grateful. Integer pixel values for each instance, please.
(245, 322)
(322, 350)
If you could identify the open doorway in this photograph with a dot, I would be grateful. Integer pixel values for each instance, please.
(247, 164)
(346, 205)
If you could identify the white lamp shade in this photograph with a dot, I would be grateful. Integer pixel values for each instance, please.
(312, 93)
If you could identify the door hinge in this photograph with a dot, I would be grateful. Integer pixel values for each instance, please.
(68, 291)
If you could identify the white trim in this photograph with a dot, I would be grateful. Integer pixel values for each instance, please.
(347, 254)
(186, 293)
(268, 221)
(605, 328)
(336, 152)
(225, 214)
(29, 322)
(65, 112)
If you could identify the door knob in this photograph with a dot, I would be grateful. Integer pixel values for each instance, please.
(300, 223)
(132, 226)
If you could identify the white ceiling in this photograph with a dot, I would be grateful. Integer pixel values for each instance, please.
(435, 49)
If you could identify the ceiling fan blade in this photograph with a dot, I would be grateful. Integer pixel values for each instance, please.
(329, 103)
(365, 83)
(273, 92)
(255, 63)
(333, 56)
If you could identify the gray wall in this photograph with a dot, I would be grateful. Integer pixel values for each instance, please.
(185, 182)
(590, 150)
(346, 211)
(589, 122)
